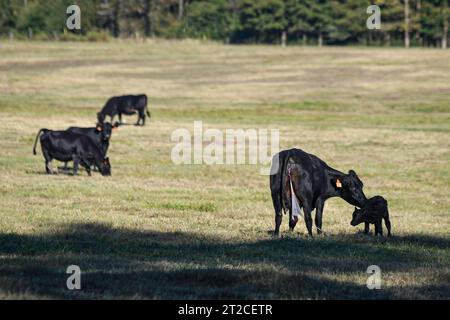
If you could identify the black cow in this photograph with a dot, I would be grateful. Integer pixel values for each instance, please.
(100, 135)
(374, 211)
(69, 146)
(313, 182)
(127, 105)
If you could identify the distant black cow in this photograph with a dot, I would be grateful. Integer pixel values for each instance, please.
(70, 146)
(374, 210)
(313, 182)
(127, 105)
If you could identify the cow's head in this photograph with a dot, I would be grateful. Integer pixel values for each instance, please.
(105, 130)
(105, 167)
(350, 188)
(358, 217)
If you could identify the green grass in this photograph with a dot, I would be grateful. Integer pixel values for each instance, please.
(157, 230)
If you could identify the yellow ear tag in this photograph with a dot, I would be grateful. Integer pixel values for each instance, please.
(338, 183)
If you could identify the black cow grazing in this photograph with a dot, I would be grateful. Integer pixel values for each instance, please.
(374, 210)
(313, 182)
(127, 105)
(70, 146)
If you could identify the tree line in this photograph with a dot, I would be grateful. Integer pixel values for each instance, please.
(318, 22)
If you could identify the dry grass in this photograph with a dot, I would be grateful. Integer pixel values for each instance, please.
(157, 230)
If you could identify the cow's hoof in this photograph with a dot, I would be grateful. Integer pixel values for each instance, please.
(274, 234)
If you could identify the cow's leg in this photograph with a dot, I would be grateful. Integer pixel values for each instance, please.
(88, 170)
(366, 227)
(112, 118)
(48, 166)
(308, 219)
(387, 222)
(120, 119)
(319, 210)
(278, 213)
(76, 162)
(48, 161)
(278, 219)
(142, 116)
(138, 123)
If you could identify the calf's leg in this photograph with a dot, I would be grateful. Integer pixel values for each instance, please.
(378, 228)
(86, 166)
(366, 227)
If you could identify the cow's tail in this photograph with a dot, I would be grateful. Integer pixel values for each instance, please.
(37, 136)
(283, 168)
(146, 106)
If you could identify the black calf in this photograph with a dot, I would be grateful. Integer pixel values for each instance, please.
(374, 210)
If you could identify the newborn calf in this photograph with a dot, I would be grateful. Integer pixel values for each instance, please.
(374, 210)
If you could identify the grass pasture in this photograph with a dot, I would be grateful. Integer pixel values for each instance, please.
(157, 230)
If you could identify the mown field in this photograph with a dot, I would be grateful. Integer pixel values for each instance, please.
(157, 230)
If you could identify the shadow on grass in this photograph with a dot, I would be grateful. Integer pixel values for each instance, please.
(124, 263)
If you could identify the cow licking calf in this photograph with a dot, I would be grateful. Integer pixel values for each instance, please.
(313, 182)
(374, 210)
(100, 135)
(69, 146)
(127, 105)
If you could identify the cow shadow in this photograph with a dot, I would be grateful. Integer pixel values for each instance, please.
(127, 263)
